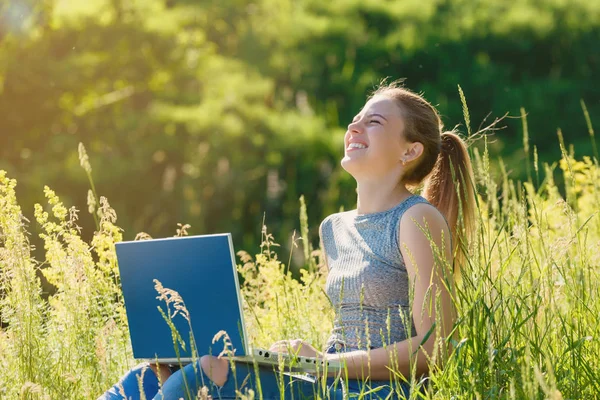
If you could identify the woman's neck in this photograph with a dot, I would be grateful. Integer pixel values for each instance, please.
(379, 195)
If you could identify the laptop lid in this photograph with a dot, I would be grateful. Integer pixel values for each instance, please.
(202, 270)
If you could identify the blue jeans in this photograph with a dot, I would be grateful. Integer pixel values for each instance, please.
(266, 383)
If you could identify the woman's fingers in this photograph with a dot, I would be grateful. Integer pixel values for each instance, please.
(286, 345)
(278, 346)
(295, 346)
(279, 343)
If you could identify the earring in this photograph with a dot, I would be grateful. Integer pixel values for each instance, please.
(403, 162)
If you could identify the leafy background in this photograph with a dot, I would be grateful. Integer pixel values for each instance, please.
(220, 112)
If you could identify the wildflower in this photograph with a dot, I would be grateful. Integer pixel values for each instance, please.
(227, 346)
(91, 201)
(84, 159)
(171, 297)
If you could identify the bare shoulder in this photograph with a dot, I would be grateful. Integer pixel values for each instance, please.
(423, 217)
(423, 233)
(423, 228)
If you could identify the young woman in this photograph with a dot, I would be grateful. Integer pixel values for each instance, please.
(390, 263)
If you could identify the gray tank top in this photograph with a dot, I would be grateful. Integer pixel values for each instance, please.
(367, 281)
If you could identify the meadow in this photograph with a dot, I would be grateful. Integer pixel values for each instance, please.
(527, 298)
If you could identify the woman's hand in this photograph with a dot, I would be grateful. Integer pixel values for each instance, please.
(296, 347)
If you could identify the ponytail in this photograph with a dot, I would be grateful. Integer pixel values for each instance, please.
(449, 188)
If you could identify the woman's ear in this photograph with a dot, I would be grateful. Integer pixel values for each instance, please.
(413, 152)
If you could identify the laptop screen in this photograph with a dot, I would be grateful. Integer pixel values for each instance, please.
(202, 270)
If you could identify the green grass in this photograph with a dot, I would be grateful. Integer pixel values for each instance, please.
(528, 299)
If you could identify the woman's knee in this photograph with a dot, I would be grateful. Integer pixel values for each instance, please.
(216, 369)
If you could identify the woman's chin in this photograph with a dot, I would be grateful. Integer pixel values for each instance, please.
(351, 164)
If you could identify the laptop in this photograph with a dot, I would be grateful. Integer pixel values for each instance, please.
(202, 269)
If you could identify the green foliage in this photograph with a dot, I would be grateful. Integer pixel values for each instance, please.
(215, 112)
(74, 344)
(22, 306)
(528, 304)
(277, 306)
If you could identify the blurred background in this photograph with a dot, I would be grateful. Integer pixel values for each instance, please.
(218, 113)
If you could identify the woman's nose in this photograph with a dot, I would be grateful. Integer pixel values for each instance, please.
(354, 127)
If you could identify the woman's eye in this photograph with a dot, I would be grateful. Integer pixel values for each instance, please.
(376, 121)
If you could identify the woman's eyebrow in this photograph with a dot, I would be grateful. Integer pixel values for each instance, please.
(377, 115)
(370, 115)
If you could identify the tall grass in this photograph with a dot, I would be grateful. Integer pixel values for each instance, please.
(528, 302)
(74, 343)
(528, 299)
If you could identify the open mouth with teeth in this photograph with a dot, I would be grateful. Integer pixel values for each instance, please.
(355, 146)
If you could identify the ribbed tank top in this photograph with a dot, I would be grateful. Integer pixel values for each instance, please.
(367, 281)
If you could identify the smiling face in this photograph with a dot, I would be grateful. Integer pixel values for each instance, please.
(374, 143)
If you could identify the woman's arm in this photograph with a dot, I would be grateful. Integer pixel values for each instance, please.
(428, 271)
